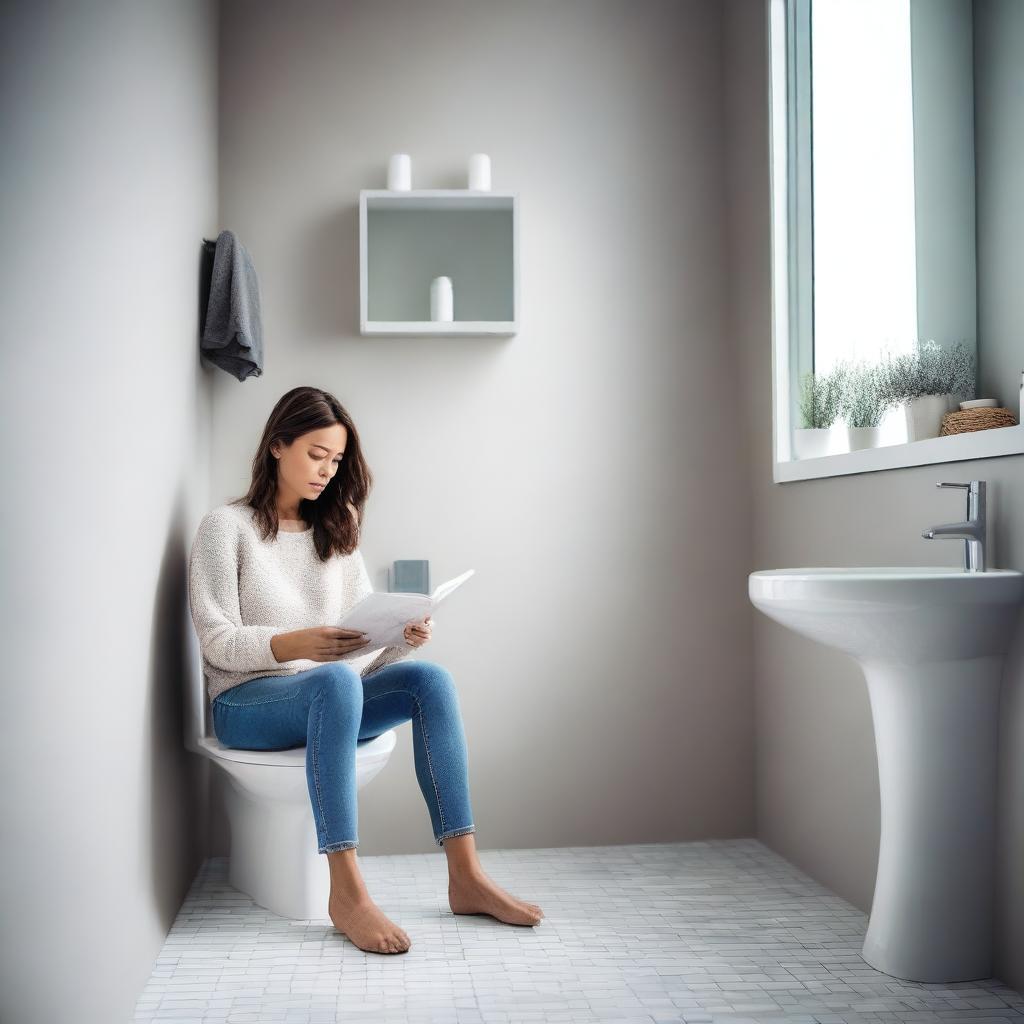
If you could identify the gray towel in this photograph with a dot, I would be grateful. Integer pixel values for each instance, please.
(232, 336)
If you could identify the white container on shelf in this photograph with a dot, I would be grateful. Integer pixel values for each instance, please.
(980, 403)
(924, 415)
(400, 172)
(863, 437)
(815, 442)
(480, 172)
(442, 299)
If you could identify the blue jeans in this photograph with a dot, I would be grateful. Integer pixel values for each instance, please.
(328, 709)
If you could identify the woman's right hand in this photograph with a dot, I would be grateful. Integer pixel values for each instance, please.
(326, 643)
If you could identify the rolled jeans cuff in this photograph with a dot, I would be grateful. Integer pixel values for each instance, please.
(334, 847)
(455, 832)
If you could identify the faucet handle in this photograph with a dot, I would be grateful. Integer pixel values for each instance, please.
(975, 499)
(973, 487)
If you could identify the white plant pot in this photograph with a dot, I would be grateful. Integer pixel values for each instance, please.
(863, 437)
(814, 442)
(924, 415)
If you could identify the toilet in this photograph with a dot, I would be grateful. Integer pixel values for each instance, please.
(274, 858)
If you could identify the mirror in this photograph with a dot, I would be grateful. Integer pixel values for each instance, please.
(897, 232)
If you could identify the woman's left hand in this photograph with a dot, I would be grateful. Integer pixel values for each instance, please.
(418, 633)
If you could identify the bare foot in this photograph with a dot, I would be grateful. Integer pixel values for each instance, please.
(478, 894)
(368, 926)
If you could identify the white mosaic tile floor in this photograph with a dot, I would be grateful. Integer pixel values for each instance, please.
(723, 930)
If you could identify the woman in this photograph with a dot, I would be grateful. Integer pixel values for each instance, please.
(266, 572)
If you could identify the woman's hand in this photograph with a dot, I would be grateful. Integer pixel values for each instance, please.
(418, 633)
(325, 643)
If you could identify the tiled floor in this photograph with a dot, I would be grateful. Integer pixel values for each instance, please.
(723, 930)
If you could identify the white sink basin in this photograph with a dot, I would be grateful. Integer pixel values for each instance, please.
(931, 643)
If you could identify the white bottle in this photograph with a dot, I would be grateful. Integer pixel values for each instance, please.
(442, 299)
(400, 172)
(480, 172)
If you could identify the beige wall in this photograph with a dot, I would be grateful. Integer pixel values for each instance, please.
(586, 468)
(816, 774)
(109, 182)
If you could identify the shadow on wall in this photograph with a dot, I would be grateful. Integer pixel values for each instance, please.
(177, 779)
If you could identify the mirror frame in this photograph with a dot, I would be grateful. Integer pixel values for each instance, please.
(978, 444)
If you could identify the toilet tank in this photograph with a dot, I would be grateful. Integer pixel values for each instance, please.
(198, 724)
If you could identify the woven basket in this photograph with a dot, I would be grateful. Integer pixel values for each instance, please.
(976, 419)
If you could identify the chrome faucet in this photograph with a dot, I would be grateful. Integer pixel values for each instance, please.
(971, 531)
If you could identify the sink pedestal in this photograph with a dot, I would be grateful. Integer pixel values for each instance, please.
(931, 642)
(936, 730)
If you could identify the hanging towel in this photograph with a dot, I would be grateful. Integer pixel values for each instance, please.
(232, 333)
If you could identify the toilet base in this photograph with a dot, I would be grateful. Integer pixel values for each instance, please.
(274, 858)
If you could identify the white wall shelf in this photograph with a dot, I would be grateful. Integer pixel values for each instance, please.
(974, 444)
(406, 239)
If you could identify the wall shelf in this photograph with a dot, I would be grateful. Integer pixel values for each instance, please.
(974, 444)
(406, 239)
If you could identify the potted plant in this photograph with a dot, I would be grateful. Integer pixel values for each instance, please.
(820, 402)
(930, 382)
(955, 376)
(864, 403)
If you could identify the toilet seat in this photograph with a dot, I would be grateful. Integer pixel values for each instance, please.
(295, 757)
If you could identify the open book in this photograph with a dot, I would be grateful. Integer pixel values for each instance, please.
(383, 615)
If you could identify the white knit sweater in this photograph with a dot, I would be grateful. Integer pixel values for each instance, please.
(244, 590)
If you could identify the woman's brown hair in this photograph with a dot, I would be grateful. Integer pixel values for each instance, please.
(337, 513)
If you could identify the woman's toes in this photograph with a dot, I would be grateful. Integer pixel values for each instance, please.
(490, 898)
(368, 927)
(529, 909)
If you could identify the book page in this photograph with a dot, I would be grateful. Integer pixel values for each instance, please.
(383, 615)
(442, 590)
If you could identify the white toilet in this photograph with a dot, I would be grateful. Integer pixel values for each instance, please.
(274, 857)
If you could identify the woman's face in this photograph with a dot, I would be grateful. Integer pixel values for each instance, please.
(311, 459)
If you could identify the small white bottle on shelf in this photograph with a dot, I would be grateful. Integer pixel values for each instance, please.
(400, 172)
(442, 305)
(479, 172)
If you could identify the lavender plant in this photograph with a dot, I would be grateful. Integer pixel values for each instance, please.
(901, 378)
(953, 372)
(865, 396)
(929, 370)
(821, 397)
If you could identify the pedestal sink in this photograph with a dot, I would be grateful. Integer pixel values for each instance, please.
(931, 644)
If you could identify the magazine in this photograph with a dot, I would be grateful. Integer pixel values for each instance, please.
(383, 615)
